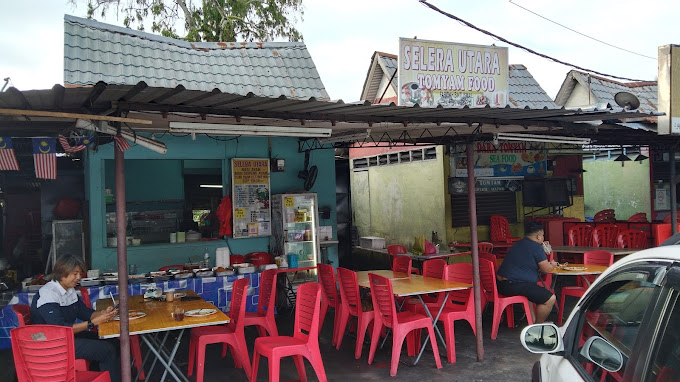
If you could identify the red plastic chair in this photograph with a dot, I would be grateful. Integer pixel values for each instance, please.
(485, 246)
(490, 257)
(500, 229)
(580, 235)
(599, 257)
(303, 343)
(23, 313)
(640, 217)
(232, 334)
(604, 235)
(605, 216)
(500, 303)
(396, 249)
(632, 238)
(401, 323)
(264, 317)
(168, 267)
(351, 306)
(402, 264)
(329, 297)
(47, 353)
(135, 348)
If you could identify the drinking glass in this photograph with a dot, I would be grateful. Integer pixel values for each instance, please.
(178, 314)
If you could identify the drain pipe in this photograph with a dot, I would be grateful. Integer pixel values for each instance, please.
(476, 282)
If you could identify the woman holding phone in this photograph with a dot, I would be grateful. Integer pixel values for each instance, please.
(57, 303)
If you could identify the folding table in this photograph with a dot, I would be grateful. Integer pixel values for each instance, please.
(582, 250)
(158, 319)
(587, 269)
(288, 283)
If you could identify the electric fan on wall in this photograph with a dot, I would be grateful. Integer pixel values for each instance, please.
(308, 174)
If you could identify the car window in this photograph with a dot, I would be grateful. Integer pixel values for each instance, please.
(614, 312)
(666, 360)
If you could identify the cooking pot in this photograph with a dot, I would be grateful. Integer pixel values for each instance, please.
(259, 258)
(236, 259)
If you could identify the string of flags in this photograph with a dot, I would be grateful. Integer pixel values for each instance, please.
(45, 152)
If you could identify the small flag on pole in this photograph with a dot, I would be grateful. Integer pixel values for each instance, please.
(81, 143)
(45, 158)
(121, 142)
(8, 160)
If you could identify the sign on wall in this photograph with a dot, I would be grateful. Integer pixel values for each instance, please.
(433, 73)
(669, 89)
(251, 197)
(507, 159)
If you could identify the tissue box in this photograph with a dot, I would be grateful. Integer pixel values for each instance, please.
(372, 242)
(326, 232)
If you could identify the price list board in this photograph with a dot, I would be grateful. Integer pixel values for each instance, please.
(251, 198)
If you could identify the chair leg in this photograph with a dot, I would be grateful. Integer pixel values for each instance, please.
(200, 361)
(300, 366)
(527, 311)
(375, 338)
(192, 355)
(342, 325)
(274, 368)
(450, 341)
(136, 351)
(560, 311)
(361, 333)
(256, 363)
(240, 351)
(510, 315)
(317, 364)
(397, 343)
(413, 342)
(435, 348)
(322, 314)
(497, 312)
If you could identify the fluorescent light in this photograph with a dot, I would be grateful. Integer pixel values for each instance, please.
(347, 137)
(105, 128)
(210, 186)
(540, 138)
(249, 130)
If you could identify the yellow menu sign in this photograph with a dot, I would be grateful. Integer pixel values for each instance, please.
(251, 197)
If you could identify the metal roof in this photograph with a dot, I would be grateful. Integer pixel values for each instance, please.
(95, 51)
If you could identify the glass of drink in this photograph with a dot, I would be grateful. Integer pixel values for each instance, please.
(178, 314)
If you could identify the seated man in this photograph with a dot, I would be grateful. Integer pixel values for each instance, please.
(518, 274)
(57, 303)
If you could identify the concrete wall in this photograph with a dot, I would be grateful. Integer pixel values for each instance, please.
(624, 189)
(151, 257)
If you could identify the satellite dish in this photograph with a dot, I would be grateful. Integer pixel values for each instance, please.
(627, 100)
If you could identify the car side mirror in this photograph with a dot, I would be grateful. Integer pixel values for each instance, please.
(541, 338)
(602, 353)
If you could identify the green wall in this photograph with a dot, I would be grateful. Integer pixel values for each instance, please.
(156, 168)
(626, 190)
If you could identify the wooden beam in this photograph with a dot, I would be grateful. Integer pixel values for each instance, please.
(58, 114)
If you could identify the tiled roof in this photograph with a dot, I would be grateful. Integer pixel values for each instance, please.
(523, 90)
(95, 51)
(604, 89)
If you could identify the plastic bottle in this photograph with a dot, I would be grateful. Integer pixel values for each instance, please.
(206, 259)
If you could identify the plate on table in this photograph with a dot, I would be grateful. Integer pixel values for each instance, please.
(200, 312)
(133, 315)
(574, 268)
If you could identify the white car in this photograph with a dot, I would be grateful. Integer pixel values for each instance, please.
(625, 328)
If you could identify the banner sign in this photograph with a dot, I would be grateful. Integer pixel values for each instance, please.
(507, 159)
(433, 73)
(460, 185)
(251, 197)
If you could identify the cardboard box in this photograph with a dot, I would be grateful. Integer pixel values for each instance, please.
(372, 242)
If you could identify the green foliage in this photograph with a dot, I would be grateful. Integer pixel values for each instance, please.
(210, 20)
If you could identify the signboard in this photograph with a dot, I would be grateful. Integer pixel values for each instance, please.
(433, 73)
(669, 89)
(507, 159)
(251, 197)
(460, 185)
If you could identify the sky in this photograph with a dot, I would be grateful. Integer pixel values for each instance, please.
(343, 35)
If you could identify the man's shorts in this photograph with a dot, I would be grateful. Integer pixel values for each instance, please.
(533, 292)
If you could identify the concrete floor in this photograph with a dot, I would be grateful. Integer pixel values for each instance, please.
(504, 360)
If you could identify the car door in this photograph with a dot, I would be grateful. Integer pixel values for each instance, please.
(617, 309)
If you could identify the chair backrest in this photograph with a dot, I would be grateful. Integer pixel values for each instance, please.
(500, 228)
(487, 277)
(632, 238)
(396, 249)
(462, 273)
(267, 297)
(349, 290)
(237, 309)
(402, 264)
(85, 296)
(485, 246)
(383, 299)
(307, 311)
(23, 313)
(640, 217)
(605, 216)
(328, 285)
(490, 257)
(581, 235)
(604, 235)
(44, 353)
(434, 268)
(167, 267)
(598, 257)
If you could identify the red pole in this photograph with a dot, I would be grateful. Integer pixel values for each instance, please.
(476, 282)
(121, 229)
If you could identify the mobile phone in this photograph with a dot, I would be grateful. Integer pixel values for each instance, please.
(115, 306)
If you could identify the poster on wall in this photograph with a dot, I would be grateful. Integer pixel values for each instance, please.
(662, 201)
(506, 159)
(433, 73)
(251, 197)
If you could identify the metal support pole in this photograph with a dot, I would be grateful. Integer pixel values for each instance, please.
(674, 201)
(121, 233)
(476, 282)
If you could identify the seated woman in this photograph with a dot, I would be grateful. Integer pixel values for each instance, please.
(57, 303)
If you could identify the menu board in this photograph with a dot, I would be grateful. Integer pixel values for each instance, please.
(251, 197)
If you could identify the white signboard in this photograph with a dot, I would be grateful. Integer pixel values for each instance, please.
(433, 73)
(669, 90)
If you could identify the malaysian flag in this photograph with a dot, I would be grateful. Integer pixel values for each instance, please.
(121, 142)
(81, 143)
(45, 158)
(8, 160)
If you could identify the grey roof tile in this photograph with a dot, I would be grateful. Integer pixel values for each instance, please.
(95, 51)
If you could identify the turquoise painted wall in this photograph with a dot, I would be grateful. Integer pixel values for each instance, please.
(606, 184)
(157, 168)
